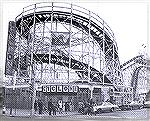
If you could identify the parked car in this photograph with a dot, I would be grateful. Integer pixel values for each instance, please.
(135, 105)
(125, 107)
(106, 106)
(147, 104)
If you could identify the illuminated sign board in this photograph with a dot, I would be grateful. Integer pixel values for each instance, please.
(59, 89)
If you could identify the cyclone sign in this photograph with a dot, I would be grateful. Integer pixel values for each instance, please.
(59, 89)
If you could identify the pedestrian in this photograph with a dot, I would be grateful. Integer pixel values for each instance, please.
(68, 104)
(60, 104)
(54, 109)
(35, 106)
(65, 106)
(90, 108)
(71, 106)
(50, 106)
(91, 102)
(40, 105)
(82, 108)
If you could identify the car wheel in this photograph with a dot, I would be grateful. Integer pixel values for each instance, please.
(99, 111)
(112, 109)
(131, 108)
(140, 107)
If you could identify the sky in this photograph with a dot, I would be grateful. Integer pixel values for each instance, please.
(128, 21)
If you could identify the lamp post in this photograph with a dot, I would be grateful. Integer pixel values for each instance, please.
(143, 50)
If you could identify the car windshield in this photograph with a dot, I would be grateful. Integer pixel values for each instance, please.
(134, 102)
(106, 103)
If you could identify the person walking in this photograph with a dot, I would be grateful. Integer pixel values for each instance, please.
(35, 106)
(66, 106)
(54, 108)
(40, 104)
(60, 104)
(50, 106)
(81, 107)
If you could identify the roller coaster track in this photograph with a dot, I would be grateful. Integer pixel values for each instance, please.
(143, 64)
(100, 32)
(123, 66)
(138, 59)
(78, 21)
(63, 60)
(134, 79)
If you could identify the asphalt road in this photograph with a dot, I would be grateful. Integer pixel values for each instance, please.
(134, 115)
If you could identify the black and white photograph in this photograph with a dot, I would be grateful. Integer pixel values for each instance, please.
(74, 60)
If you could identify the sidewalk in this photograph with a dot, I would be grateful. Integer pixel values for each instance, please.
(27, 113)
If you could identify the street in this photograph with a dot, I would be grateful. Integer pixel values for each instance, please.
(132, 115)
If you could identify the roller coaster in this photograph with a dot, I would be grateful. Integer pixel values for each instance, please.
(134, 68)
(63, 43)
(65, 35)
(60, 43)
